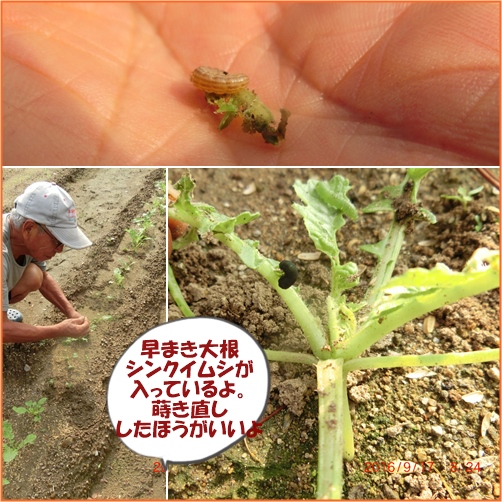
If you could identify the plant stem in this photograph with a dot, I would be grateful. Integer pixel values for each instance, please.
(480, 356)
(309, 324)
(331, 441)
(348, 432)
(177, 295)
(386, 263)
(290, 357)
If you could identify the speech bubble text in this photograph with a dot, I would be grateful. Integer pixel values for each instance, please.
(187, 390)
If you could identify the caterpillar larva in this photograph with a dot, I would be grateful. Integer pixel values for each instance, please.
(290, 274)
(216, 81)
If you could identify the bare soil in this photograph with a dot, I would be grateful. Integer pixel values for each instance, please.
(76, 453)
(394, 417)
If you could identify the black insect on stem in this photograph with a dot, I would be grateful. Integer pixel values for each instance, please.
(290, 274)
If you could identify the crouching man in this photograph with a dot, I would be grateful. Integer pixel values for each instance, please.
(42, 222)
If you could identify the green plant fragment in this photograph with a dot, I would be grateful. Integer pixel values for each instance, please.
(326, 205)
(256, 117)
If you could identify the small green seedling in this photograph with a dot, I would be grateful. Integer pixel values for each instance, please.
(120, 271)
(118, 276)
(464, 196)
(138, 237)
(69, 340)
(98, 320)
(159, 203)
(34, 408)
(10, 446)
(145, 220)
(126, 265)
(338, 344)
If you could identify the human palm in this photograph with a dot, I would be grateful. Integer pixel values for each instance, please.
(366, 84)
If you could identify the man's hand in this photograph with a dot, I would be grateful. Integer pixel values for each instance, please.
(18, 332)
(75, 327)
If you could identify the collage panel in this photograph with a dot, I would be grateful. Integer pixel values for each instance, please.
(55, 377)
(374, 294)
(251, 83)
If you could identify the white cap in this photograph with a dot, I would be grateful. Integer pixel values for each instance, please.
(48, 204)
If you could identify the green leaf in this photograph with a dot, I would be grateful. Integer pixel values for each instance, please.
(326, 205)
(419, 291)
(419, 286)
(427, 215)
(344, 276)
(376, 249)
(417, 173)
(7, 430)
(379, 205)
(386, 198)
(29, 439)
(204, 216)
(479, 224)
(249, 255)
(227, 224)
(443, 277)
(226, 120)
(5, 482)
(475, 191)
(20, 410)
(9, 454)
(185, 240)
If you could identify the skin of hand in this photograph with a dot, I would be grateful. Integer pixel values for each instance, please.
(75, 326)
(366, 83)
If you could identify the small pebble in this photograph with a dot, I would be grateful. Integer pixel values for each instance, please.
(486, 422)
(438, 430)
(309, 256)
(429, 324)
(496, 489)
(360, 394)
(473, 397)
(250, 189)
(394, 431)
(494, 374)
(27, 367)
(420, 374)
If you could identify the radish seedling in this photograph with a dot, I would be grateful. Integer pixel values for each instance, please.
(352, 328)
(464, 196)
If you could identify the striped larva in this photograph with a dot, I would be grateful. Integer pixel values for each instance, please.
(290, 274)
(216, 81)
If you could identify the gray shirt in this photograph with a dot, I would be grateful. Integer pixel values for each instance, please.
(12, 270)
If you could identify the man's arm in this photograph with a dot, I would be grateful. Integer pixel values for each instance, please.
(16, 332)
(52, 291)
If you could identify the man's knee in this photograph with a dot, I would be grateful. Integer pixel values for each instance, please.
(30, 281)
(34, 277)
